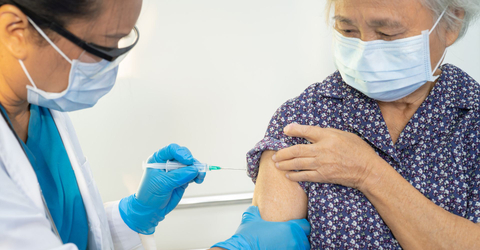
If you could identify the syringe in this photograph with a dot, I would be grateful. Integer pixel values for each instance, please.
(172, 165)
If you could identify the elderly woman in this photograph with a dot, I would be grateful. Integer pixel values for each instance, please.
(387, 149)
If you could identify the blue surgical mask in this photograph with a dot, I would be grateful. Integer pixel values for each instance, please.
(87, 82)
(385, 70)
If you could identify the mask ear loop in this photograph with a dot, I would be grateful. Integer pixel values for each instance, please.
(27, 74)
(40, 31)
(445, 52)
(438, 65)
(48, 40)
(438, 21)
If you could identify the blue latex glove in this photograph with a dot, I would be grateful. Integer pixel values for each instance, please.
(159, 192)
(255, 233)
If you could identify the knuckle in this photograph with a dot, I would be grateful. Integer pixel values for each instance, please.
(305, 129)
(317, 161)
(298, 150)
(334, 136)
(173, 146)
(330, 145)
(315, 149)
(297, 164)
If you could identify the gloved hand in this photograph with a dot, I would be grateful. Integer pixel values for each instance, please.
(159, 192)
(255, 233)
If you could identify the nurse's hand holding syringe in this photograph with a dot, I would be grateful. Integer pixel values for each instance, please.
(167, 174)
(160, 191)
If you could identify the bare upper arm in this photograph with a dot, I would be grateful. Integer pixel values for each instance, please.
(278, 198)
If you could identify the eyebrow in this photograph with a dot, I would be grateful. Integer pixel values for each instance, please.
(385, 22)
(343, 19)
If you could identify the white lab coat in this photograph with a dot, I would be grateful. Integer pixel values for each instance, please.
(23, 223)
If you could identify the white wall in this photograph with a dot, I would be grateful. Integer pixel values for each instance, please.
(208, 75)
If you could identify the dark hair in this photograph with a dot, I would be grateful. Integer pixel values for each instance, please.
(58, 11)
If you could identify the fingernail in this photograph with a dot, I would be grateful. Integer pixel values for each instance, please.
(277, 165)
(274, 157)
(288, 177)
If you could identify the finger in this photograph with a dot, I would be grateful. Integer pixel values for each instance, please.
(177, 195)
(172, 152)
(297, 151)
(183, 155)
(181, 176)
(309, 176)
(163, 155)
(303, 224)
(297, 164)
(200, 177)
(252, 213)
(311, 133)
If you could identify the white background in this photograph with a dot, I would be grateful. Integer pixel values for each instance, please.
(209, 75)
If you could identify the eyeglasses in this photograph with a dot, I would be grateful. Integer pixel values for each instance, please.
(125, 44)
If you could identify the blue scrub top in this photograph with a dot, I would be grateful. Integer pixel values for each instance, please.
(47, 154)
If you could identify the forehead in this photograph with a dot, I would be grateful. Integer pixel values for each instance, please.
(118, 15)
(113, 18)
(382, 12)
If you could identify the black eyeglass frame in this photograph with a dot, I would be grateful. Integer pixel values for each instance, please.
(107, 53)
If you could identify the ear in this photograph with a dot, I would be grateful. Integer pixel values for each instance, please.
(13, 31)
(453, 33)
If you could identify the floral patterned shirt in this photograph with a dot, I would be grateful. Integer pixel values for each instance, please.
(438, 152)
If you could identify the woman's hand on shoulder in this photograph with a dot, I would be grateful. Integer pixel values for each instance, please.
(334, 156)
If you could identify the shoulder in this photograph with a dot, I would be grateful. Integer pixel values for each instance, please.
(459, 89)
(332, 88)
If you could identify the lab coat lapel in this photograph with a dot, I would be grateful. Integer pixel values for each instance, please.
(99, 233)
(17, 165)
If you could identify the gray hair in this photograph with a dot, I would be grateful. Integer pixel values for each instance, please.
(471, 8)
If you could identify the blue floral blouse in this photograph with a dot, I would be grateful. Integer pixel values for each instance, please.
(437, 152)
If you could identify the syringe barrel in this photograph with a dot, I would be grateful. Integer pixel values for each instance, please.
(172, 165)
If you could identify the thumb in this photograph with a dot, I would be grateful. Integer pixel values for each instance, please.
(251, 214)
(172, 152)
(303, 224)
(182, 176)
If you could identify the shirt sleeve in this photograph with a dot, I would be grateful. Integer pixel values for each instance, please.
(275, 139)
(123, 237)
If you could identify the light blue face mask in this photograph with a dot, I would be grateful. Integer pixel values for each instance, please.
(385, 70)
(87, 82)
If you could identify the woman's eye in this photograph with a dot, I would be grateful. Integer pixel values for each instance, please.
(385, 35)
(348, 31)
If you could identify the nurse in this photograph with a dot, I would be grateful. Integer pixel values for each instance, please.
(62, 55)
